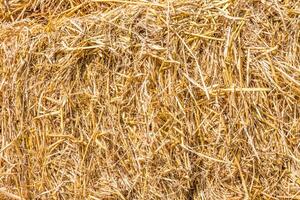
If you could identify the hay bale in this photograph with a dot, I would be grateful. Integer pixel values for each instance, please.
(121, 99)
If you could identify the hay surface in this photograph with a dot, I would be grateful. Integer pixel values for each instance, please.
(120, 99)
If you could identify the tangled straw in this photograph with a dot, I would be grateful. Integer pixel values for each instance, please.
(168, 99)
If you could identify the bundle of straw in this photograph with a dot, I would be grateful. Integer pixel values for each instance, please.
(157, 99)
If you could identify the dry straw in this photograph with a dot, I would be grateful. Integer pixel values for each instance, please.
(157, 99)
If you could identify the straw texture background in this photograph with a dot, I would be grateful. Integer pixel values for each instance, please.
(120, 99)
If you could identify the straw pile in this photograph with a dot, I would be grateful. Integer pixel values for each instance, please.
(121, 99)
